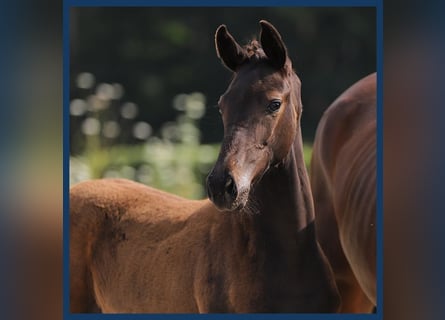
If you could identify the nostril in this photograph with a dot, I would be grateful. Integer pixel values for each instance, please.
(230, 187)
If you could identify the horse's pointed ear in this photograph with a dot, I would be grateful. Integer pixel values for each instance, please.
(272, 44)
(228, 50)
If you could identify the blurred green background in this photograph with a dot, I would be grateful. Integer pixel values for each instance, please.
(144, 83)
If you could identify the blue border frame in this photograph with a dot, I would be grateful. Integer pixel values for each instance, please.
(222, 3)
(66, 157)
(67, 4)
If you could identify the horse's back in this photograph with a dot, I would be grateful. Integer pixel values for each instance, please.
(121, 196)
(343, 171)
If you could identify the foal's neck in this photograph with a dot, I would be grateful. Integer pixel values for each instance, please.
(284, 196)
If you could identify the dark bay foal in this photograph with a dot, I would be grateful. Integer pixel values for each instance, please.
(250, 248)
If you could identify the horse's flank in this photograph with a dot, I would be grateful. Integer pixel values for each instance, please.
(343, 179)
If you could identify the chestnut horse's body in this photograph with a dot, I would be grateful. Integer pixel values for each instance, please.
(343, 179)
(250, 248)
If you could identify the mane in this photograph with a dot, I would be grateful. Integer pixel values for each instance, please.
(255, 51)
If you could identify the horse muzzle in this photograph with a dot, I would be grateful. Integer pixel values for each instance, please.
(225, 192)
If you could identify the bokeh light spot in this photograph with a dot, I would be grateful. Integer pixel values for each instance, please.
(85, 80)
(105, 91)
(142, 130)
(78, 107)
(91, 127)
(129, 110)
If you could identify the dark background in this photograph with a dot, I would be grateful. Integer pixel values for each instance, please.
(156, 53)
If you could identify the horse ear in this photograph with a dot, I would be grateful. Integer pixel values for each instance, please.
(228, 50)
(272, 44)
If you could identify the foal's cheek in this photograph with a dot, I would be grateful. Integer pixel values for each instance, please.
(282, 138)
(263, 132)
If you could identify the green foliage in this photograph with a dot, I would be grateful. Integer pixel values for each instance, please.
(307, 154)
(173, 161)
(177, 168)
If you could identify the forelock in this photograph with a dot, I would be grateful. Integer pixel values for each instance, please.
(255, 51)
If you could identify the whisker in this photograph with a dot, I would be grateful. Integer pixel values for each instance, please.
(252, 207)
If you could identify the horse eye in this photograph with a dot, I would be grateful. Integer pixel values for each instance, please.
(274, 105)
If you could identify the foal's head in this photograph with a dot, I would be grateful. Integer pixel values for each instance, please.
(260, 110)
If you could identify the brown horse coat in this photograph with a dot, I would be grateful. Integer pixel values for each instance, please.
(252, 248)
(343, 179)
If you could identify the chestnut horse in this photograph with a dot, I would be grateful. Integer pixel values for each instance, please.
(250, 248)
(343, 180)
